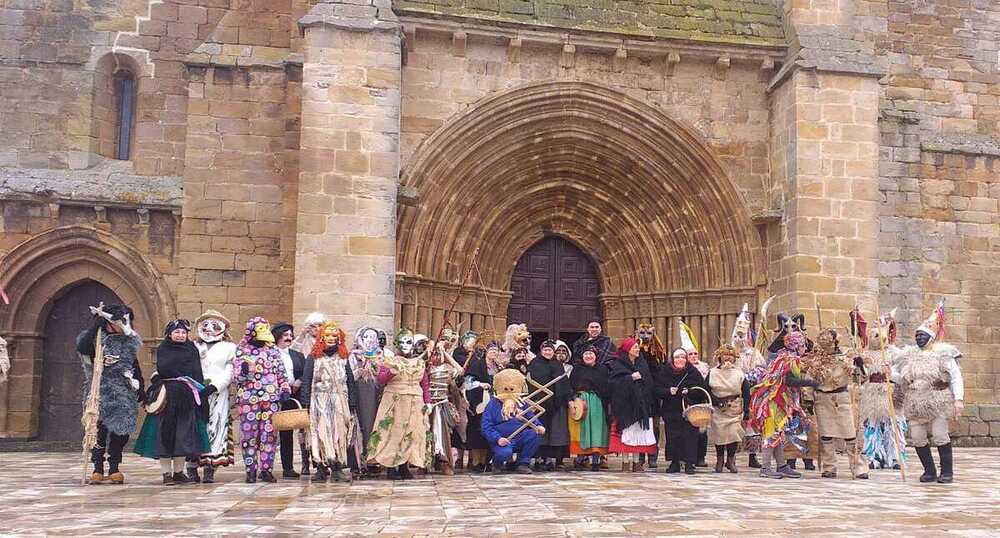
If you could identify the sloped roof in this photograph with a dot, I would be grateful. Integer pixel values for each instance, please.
(755, 22)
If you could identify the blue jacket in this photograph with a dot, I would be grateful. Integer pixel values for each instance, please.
(494, 426)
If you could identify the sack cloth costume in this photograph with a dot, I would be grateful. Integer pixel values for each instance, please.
(933, 391)
(121, 385)
(260, 386)
(833, 370)
(730, 392)
(879, 441)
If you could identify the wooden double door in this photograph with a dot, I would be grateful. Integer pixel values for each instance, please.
(555, 291)
(62, 374)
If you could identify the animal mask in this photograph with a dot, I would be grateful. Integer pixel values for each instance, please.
(212, 327)
(510, 387)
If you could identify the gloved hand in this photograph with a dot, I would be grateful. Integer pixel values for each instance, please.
(131, 380)
(245, 369)
(284, 396)
(208, 391)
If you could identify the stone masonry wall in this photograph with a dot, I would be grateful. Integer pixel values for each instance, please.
(939, 166)
(729, 107)
(238, 234)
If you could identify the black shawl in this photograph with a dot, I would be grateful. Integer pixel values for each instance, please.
(590, 379)
(688, 378)
(631, 400)
(479, 371)
(541, 371)
(603, 345)
(173, 360)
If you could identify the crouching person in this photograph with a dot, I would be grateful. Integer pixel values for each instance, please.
(500, 422)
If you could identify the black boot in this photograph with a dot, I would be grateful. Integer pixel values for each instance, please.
(192, 474)
(321, 473)
(168, 479)
(404, 472)
(807, 465)
(209, 475)
(790, 464)
(754, 463)
(180, 479)
(305, 460)
(339, 475)
(289, 473)
(927, 460)
(251, 475)
(266, 476)
(675, 467)
(944, 452)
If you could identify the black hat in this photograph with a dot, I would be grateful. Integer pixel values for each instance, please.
(548, 343)
(176, 324)
(281, 328)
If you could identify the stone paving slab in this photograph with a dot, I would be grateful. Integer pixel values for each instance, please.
(43, 497)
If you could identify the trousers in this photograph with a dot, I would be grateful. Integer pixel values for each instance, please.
(936, 427)
(257, 436)
(524, 445)
(110, 444)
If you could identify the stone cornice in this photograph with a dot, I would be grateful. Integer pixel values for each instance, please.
(352, 15)
(872, 68)
(967, 144)
(110, 183)
(593, 40)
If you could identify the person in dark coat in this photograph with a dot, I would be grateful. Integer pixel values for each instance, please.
(633, 397)
(178, 430)
(601, 343)
(589, 435)
(677, 380)
(555, 443)
(300, 380)
(482, 366)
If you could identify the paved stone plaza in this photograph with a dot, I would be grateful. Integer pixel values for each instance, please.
(42, 496)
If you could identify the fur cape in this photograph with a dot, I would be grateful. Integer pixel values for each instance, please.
(119, 402)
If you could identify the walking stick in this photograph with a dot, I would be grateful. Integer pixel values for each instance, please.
(894, 424)
(91, 411)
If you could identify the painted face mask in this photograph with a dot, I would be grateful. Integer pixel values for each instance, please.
(330, 337)
(262, 333)
(469, 340)
(211, 329)
(404, 342)
(448, 339)
(369, 341)
(646, 333)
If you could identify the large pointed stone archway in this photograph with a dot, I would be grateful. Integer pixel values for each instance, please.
(638, 191)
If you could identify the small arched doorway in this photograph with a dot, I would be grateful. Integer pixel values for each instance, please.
(555, 291)
(60, 405)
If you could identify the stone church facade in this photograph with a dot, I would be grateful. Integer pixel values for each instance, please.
(632, 161)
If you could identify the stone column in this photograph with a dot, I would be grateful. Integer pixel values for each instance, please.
(349, 163)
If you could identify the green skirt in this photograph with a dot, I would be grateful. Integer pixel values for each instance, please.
(148, 445)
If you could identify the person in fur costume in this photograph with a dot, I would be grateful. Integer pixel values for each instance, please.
(731, 397)
(834, 369)
(881, 430)
(260, 386)
(121, 385)
(217, 352)
(501, 420)
(933, 394)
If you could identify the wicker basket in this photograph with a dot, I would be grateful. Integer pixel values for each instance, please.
(699, 415)
(292, 419)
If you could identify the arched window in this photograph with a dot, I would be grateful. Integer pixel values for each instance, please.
(124, 84)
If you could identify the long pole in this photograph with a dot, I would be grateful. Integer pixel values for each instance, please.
(91, 410)
(451, 308)
(894, 424)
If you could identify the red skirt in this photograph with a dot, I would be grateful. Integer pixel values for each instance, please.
(616, 446)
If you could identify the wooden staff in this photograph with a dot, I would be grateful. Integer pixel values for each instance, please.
(896, 434)
(91, 411)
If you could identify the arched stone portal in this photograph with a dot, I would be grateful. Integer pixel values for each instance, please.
(36, 274)
(639, 192)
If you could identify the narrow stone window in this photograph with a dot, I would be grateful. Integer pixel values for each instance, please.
(124, 113)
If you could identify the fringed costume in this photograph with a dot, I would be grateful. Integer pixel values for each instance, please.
(753, 365)
(775, 408)
(883, 431)
(331, 406)
(442, 373)
(833, 370)
(934, 392)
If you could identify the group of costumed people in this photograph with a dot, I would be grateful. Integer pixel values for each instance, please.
(428, 404)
